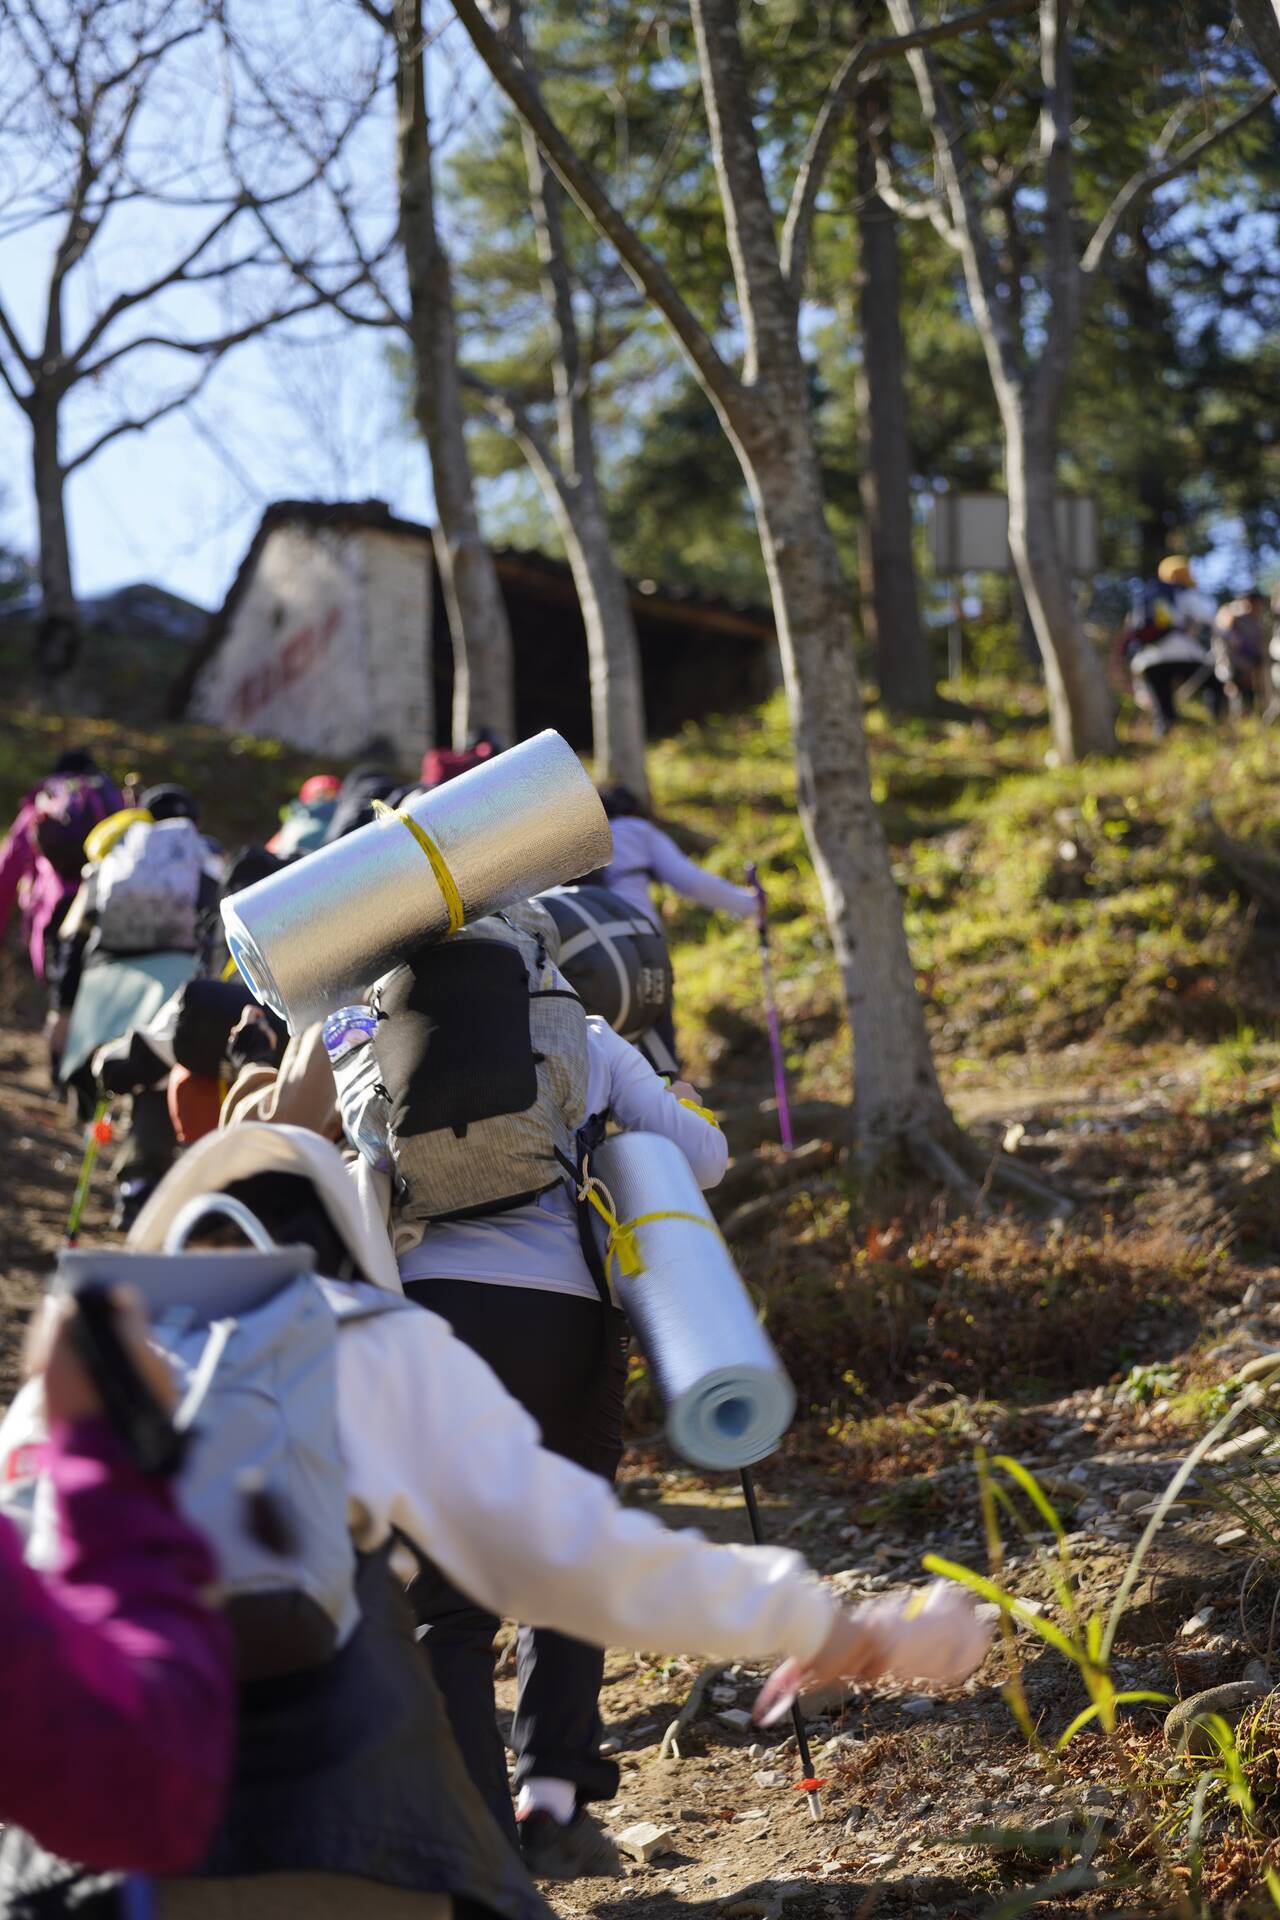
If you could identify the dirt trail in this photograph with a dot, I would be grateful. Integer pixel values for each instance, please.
(908, 1774)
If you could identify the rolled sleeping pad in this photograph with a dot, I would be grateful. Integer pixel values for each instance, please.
(728, 1400)
(612, 955)
(318, 934)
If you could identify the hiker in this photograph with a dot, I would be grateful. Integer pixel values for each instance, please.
(493, 1078)
(43, 852)
(1240, 635)
(130, 940)
(1166, 643)
(285, 1082)
(115, 1686)
(433, 1448)
(305, 821)
(445, 763)
(644, 854)
(185, 1050)
(371, 780)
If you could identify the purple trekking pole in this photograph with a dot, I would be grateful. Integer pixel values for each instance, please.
(771, 1008)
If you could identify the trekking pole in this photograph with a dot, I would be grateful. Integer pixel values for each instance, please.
(771, 1008)
(97, 1134)
(808, 1785)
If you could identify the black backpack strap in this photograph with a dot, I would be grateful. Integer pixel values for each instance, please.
(589, 1136)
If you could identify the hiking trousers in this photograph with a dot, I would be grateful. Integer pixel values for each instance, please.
(564, 1358)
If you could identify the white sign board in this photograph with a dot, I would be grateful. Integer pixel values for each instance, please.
(971, 532)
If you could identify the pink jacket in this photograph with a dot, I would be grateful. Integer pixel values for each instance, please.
(45, 891)
(116, 1688)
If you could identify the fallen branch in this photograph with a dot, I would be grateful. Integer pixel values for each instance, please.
(1003, 1172)
(670, 1748)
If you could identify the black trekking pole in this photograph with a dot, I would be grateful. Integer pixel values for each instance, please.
(810, 1787)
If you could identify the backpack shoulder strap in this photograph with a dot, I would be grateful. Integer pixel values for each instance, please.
(591, 1133)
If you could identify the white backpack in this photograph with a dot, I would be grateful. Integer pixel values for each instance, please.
(149, 887)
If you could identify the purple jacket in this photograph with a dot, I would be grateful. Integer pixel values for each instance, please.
(21, 859)
(116, 1687)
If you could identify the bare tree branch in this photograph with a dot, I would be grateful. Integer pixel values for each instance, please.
(929, 209)
(798, 225)
(511, 414)
(10, 333)
(138, 423)
(215, 344)
(1161, 168)
(135, 296)
(981, 268)
(583, 185)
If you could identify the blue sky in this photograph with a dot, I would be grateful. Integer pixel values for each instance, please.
(310, 410)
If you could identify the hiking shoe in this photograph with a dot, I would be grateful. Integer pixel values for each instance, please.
(580, 1851)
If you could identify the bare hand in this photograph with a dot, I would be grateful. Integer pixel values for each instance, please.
(69, 1391)
(685, 1090)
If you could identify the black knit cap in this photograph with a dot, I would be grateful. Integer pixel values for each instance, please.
(171, 803)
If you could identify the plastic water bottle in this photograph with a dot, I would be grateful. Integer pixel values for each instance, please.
(348, 1041)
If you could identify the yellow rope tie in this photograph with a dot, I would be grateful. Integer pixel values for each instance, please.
(703, 1113)
(625, 1246)
(439, 865)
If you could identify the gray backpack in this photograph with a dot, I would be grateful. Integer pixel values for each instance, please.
(251, 1338)
(483, 1059)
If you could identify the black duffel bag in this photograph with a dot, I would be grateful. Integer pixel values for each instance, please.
(612, 955)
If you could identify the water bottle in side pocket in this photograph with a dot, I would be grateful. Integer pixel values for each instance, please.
(362, 1101)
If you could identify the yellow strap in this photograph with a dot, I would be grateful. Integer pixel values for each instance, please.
(625, 1247)
(439, 865)
(230, 971)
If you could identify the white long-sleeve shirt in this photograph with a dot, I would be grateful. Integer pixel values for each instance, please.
(643, 853)
(537, 1245)
(435, 1446)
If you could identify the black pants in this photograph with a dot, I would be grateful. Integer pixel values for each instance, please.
(565, 1360)
(149, 1144)
(1164, 680)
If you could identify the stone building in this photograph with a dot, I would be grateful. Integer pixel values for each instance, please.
(334, 635)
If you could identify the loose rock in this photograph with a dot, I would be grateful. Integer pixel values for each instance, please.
(1240, 1446)
(736, 1717)
(645, 1840)
(1259, 1368)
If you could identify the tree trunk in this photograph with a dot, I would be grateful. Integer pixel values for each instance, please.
(896, 1090)
(573, 488)
(483, 686)
(58, 635)
(613, 646)
(1080, 709)
(1261, 21)
(891, 609)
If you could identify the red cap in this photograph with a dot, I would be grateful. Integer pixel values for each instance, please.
(321, 786)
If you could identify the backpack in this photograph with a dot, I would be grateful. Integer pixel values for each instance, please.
(444, 763)
(613, 957)
(149, 887)
(1153, 616)
(483, 1060)
(251, 1338)
(67, 808)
